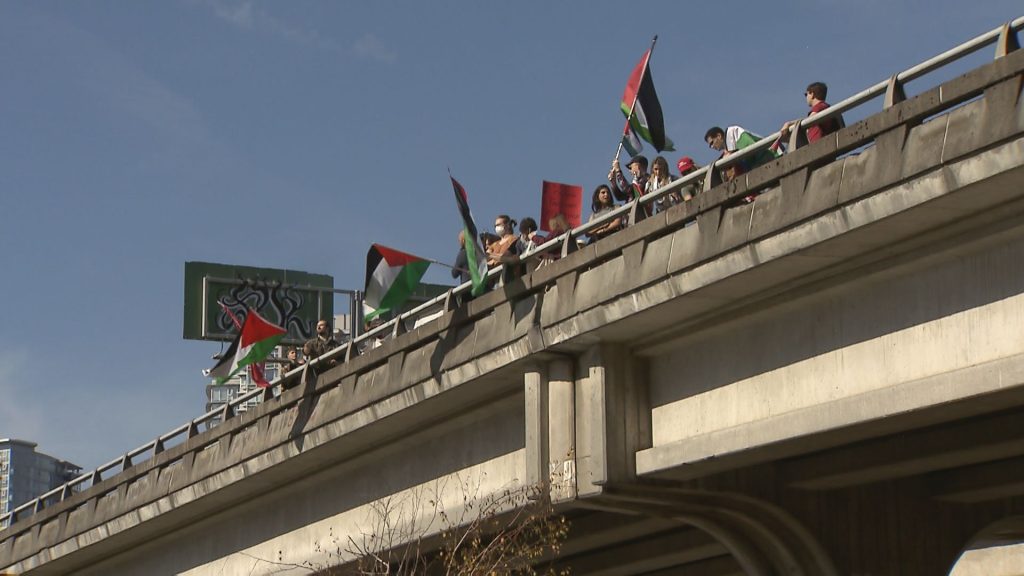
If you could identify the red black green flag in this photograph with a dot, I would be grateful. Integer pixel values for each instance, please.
(474, 251)
(646, 119)
(391, 277)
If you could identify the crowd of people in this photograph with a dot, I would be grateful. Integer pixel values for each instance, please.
(320, 344)
(510, 239)
(504, 245)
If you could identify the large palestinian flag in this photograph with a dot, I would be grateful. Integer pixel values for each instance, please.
(254, 342)
(475, 255)
(646, 118)
(391, 277)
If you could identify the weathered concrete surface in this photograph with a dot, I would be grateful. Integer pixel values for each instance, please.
(720, 374)
(307, 521)
(893, 343)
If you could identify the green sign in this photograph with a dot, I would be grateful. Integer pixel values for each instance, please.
(295, 300)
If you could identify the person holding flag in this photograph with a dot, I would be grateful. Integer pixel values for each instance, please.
(626, 191)
(460, 269)
(476, 258)
(643, 120)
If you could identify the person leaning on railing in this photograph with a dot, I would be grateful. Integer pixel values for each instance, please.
(557, 225)
(601, 204)
(528, 237)
(506, 246)
(319, 345)
(686, 165)
(378, 340)
(460, 269)
(291, 360)
(732, 140)
(815, 95)
(661, 177)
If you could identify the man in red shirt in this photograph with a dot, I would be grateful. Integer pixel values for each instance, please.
(815, 94)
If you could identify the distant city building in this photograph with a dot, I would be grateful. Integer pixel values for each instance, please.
(26, 474)
(217, 395)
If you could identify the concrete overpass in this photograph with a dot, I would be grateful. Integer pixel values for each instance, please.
(827, 380)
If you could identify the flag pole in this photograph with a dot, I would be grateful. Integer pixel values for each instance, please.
(632, 106)
(234, 319)
(445, 265)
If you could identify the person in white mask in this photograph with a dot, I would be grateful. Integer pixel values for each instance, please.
(505, 249)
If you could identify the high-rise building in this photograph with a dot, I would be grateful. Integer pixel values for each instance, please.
(26, 474)
(217, 395)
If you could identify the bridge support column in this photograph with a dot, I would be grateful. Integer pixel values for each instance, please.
(612, 416)
(585, 419)
(550, 428)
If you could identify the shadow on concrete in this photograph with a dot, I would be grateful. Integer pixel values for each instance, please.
(306, 405)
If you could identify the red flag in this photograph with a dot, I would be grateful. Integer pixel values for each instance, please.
(564, 199)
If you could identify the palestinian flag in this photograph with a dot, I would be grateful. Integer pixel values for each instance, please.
(475, 255)
(630, 141)
(646, 118)
(254, 342)
(255, 369)
(391, 277)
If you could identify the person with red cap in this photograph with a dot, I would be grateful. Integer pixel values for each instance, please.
(686, 165)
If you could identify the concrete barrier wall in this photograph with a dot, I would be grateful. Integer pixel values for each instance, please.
(852, 352)
(308, 522)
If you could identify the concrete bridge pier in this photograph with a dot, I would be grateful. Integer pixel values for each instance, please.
(586, 417)
(587, 414)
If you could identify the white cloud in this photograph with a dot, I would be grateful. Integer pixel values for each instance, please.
(246, 16)
(370, 47)
(243, 14)
(239, 14)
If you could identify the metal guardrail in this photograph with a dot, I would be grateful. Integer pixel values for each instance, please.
(1005, 38)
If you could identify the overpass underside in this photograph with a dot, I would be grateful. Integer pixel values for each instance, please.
(828, 380)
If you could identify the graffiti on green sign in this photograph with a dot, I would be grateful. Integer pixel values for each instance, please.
(275, 302)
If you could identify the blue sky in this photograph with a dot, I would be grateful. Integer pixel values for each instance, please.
(135, 136)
